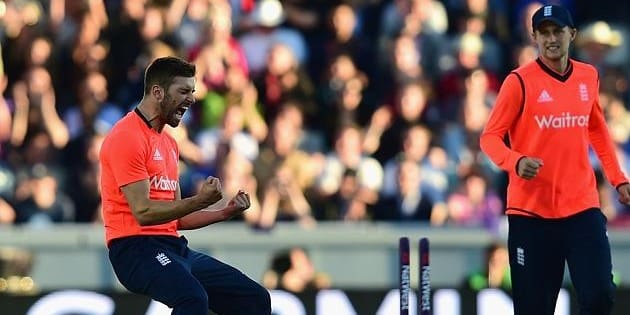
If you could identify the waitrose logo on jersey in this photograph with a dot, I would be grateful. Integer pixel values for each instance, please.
(163, 183)
(564, 120)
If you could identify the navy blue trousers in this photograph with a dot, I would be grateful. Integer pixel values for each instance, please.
(539, 249)
(191, 283)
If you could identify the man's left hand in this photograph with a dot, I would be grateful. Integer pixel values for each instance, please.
(239, 203)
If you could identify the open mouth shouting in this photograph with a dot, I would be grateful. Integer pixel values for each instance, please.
(181, 110)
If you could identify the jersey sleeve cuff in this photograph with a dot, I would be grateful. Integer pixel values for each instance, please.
(619, 185)
(513, 160)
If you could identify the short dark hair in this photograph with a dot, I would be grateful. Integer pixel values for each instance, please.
(162, 71)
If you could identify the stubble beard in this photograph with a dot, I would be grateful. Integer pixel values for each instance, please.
(167, 111)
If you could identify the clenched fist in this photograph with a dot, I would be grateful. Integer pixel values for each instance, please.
(210, 191)
(239, 203)
(528, 167)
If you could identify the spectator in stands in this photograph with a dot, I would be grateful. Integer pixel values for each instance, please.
(284, 79)
(231, 136)
(217, 52)
(416, 146)
(126, 44)
(425, 22)
(310, 19)
(412, 106)
(292, 270)
(38, 134)
(81, 49)
(93, 113)
(22, 23)
(82, 177)
(460, 135)
(494, 14)
(341, 95)
(412, 200)
(596, 44)
(345, 38)
(406, 66)
(35, 110)
(77, 47)
(523, 13)
(139, 28)
(618, 118)
(474, 204)
(350, 181)
(492, 54)
(267, 17)
(349, 106)
(188, 19)
(45, 203)
(524, 54)
(451, 87)
(285, 174)
(40, 53)
(239, 91)
(430, 14)
(495, 272)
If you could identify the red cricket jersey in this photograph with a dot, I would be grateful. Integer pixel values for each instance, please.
(131, 152)
(553, 117)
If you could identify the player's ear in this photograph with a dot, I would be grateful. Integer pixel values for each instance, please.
(573, 33)
(157, 92)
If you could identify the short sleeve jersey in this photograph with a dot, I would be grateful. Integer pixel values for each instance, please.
(131, 152)
(556, 118)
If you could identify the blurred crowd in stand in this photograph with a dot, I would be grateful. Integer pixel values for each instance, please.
(357, 110)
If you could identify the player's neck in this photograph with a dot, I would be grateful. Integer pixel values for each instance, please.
(150, 114)
(559, 66)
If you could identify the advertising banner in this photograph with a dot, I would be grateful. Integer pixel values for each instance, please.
(446, 301)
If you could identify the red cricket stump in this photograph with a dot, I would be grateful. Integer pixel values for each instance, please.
(404, 275)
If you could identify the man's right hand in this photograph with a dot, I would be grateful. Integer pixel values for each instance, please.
(528, 167)
(210, 191)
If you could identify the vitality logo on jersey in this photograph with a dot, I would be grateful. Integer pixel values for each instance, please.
(162, 182)
(564, 120)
